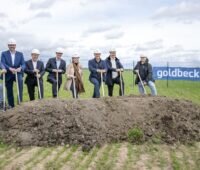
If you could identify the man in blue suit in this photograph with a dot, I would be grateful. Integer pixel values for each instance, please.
(13, 62)
(97, 67)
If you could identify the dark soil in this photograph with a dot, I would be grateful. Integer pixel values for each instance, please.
(96, 121)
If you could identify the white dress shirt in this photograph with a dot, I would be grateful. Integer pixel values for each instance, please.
(58, 63)
(13, 58)
(34, 64)
(114, 73)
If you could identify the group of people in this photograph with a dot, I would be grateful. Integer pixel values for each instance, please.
(13, 66)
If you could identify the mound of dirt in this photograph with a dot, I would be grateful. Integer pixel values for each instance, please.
(97, 121)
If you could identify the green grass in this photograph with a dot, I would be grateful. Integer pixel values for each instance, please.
(49, 164)
(79, 160)
(11, 156)
(113, 157)
(89, 158)
(39, 158)
(133, 155)
(135, 135)
(102, 161)
(176, 89)
(175, 162)
(35, 156)
(149, 156)
(60, 163)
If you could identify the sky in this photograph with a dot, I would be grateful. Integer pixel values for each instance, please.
(164, 30)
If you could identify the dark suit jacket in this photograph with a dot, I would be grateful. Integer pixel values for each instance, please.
(51, 64)
(93, 65)
(110, 69)
(31, 76)
(145, 71)
(6, 60)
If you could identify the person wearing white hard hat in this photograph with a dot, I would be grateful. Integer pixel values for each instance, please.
(74, 76)
(114, 73)
(34, 70)
(56, 66)
(15, 65)
(144, 72)
(97, 68)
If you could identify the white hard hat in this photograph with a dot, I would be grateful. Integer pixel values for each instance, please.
(35, 51)
(60, 50)
(142, 56)
(75, 55)
(11, 41)
(97, 51)
(112, 50)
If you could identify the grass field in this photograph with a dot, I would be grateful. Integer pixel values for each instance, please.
(111, 156)
(177, 89)
(116, 156)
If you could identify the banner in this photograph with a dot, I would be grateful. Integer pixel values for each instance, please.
(176, 73)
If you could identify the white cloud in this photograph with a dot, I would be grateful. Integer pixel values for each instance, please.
(152, 45)
(43, 14)
(3, 15)
(38, 15)
(2, 28)
(83, 25)
(43, 4)
(114, 35)
(176, 56)
(100, 28)
(185, 11)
